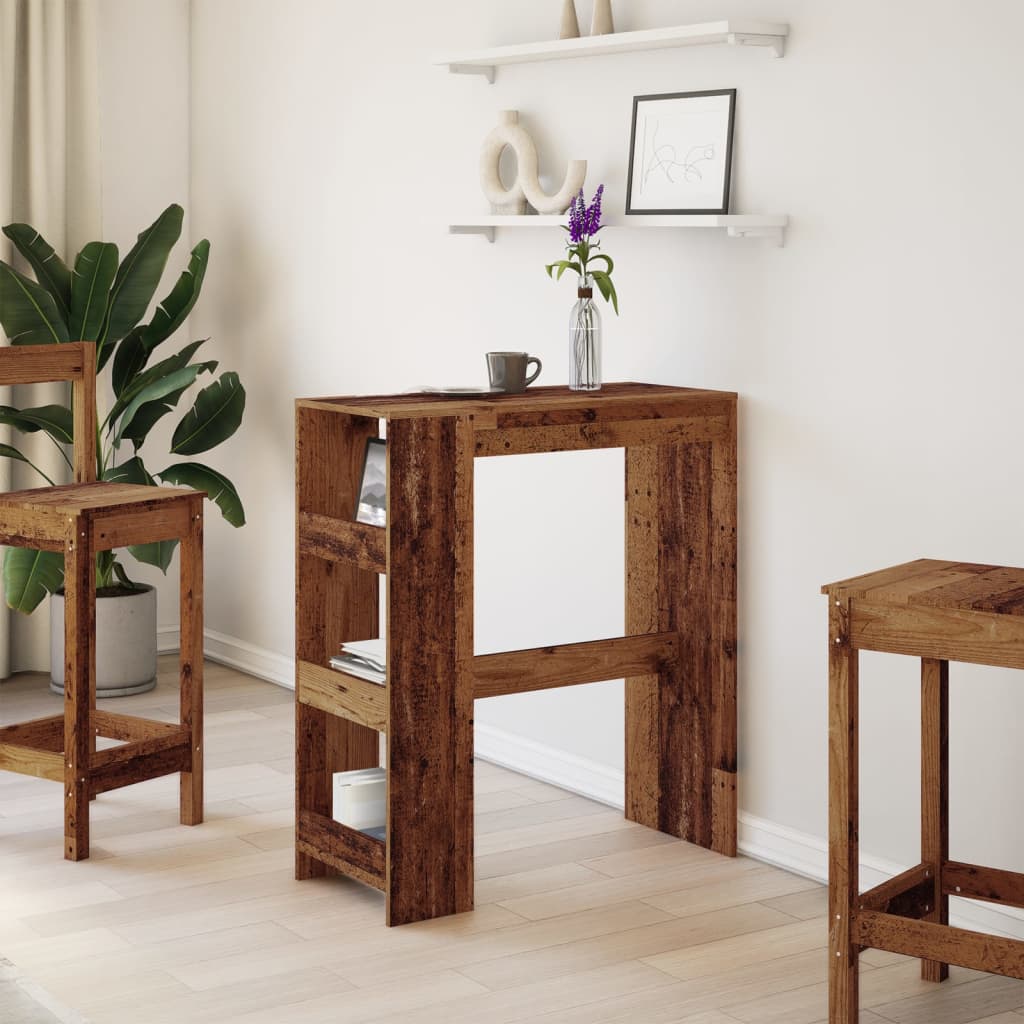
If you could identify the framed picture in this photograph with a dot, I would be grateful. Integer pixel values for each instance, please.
(372, 507)
(680, 152)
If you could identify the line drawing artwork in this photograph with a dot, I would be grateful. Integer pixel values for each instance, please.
(662, 159)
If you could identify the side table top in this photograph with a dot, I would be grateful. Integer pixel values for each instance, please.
(930, 583)
(648, 399)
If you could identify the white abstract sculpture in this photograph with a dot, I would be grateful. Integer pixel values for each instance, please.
(526, 187)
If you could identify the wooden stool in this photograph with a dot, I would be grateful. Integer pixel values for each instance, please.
(938, 612)
(81, 519)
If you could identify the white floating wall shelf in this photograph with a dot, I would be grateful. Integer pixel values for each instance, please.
(736, 225)
(712, 33)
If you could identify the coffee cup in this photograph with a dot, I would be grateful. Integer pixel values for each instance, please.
(508, 371)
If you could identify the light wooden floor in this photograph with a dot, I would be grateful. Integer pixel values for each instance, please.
(581, 917)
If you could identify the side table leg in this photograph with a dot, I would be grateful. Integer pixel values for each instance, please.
(681, 576)
(430, 683)
(935, 792)
(843, 851)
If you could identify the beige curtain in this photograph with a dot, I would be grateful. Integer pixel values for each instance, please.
(49, 178)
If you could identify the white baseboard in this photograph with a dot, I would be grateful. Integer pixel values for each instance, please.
(767, 841)
(548, 764)
(229, 650)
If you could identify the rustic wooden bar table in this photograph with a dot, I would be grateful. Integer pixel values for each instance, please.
(678, 654)
(938, 612)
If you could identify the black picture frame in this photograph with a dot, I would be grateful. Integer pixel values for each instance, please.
(372, 500)
(719, 208)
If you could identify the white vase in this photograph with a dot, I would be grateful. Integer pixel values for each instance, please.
(526, 187)
(125, 643)
(570, 27)
(602, 24)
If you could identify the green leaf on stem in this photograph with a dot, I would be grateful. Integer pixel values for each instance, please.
(140, 273)
(219, 488)
(28, 312)
(158, 554)
(30, 575)
(56, 420)
(95, 269)
(171, 313)
(563, 266)
(8, 451)
(156, 390)
(215, 416)
(604, 283)
(50, 270)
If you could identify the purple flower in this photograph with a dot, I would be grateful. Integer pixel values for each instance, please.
(577, 218)
(592, 215)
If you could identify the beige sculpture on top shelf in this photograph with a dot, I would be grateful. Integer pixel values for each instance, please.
(602, 24)
(570, 27)
(526, 188)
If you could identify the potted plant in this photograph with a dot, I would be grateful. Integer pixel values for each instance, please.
(103, 300)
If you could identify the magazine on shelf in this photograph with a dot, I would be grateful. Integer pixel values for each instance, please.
(363, 658)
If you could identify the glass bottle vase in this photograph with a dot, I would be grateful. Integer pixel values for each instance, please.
(585, 340)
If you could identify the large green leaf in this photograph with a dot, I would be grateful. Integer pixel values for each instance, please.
(156, 372)
(129, 359)
(149, 415)
(171, 313)
(131, 472)
(140, 273)
(8, 451)
(135, 349)
(154, 391)
(28, 312)
(213, 418)
(50, 270)
(218, 488)
(95, 269)
(30, 575)
(56, 420)
(159, 553)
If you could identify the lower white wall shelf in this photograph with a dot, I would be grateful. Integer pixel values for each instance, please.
(736, 225)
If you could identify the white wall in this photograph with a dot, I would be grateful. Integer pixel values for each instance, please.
(877, 356)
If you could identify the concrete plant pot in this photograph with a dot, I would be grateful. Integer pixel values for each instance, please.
(125, 642)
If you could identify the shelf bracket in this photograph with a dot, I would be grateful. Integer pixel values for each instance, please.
(777, 44)
(473, 229)
(490, 73)
(776, 235)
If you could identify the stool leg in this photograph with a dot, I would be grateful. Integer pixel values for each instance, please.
(935, 792)
(843, 880)
(190, 662)
(79, 683)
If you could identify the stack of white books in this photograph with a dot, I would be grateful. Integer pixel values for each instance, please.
(360, 800)
(364, 658)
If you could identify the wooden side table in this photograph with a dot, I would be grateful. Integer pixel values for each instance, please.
(938, 612)
(678, 654)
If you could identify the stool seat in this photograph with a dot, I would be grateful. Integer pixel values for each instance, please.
(92, 498)
(115, 514)
(930, 583)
